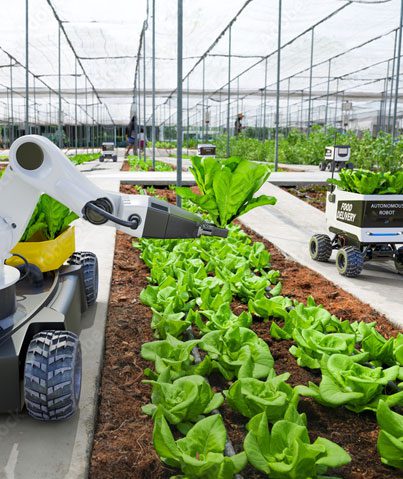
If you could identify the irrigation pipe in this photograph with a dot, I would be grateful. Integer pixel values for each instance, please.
(229, 448)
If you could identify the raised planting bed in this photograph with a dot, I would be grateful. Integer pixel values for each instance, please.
(123, 445)
(81, 158)
(315, 195)
(135, 163)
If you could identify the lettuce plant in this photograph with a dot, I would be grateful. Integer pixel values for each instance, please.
(49, 219)
(286, 451)
(346, 382)
(175, 355)
(168, 322)
(311, 316)
(227, 187)
(390, 439)
(312, 345)
(266, 308)
(369, 182)
(398, 349)
(251, 396)
(187, 399)
(379, 349)
(222, 318)
(168, 293)
(211, 299)
(200, 454)
(238, 352)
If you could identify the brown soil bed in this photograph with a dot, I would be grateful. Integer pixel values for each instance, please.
(315, 195)
(123, 437)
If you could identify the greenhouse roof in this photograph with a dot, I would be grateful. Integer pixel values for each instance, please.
(102, 52)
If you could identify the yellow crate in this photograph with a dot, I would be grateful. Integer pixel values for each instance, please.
(47, 255)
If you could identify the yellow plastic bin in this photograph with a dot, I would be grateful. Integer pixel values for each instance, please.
(47, 255)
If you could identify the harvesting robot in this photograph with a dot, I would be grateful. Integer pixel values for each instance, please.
(364, 228)
(40, 313)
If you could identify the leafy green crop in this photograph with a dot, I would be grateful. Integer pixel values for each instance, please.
(222, 319)
(312, 345)
(49, 219)
(175, 355)
(168, 294)
(398, 349)
(238, 352)
(201, 453)
(286, 451)
(186, 400)
(346, 382)
(227, 187)
(390, 439)
(274, 396)
(168, 322)
(378, 348)
(81, 158)
(369, 182)
(138, 164)
(309, 316)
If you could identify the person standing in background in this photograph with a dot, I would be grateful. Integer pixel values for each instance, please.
(142, 140)
(131, 136)
(238, 124)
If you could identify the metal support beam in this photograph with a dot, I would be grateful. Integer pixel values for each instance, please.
(75, 107)
(153, 86)
(399, 52)
(392, 80)
(11, 102)
(144, 94)
(278, 84)
(59, 73)
(327, 94)
(264, 100)
(187, 114)
(27, 67)
(337, 99)
(203, 99)
(288, 106)
(229, 90)
(310, 83)
(179, 101)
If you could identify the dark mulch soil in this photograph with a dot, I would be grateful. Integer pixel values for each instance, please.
(315, 195)
(123, 438)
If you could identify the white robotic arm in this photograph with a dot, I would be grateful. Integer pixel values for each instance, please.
(38, 166)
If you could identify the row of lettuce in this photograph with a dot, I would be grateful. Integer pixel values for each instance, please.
(192, 286)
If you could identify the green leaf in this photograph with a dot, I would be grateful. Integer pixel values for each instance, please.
(285, 452)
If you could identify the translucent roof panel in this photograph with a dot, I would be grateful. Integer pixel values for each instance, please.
(101, 39)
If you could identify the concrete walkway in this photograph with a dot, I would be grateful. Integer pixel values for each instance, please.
(290, 224)
(303, 178)
(35, 450)
(157, 178)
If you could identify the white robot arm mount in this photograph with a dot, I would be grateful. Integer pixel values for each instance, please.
(38, 166)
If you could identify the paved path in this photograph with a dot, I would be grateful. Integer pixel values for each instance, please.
(34, 450)
(290, 224)
(157, 178)
(300, 178)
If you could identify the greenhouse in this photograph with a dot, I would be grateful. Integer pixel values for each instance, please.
(201, 239)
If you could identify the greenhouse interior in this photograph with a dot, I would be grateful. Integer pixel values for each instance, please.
(201, 239)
